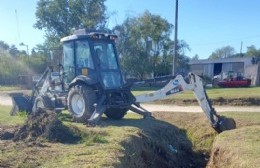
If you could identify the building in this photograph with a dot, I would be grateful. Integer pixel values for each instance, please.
(213, 67)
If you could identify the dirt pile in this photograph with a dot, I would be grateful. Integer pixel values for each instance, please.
(7, 132)
(42, 125)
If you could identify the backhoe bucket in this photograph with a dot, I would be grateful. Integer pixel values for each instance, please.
(21, 102)
(225, 123)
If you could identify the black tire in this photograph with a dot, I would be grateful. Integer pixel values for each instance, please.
(81, 100)
(42, 102)
(116, 113)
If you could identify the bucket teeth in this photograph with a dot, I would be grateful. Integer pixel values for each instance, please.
(225, 124)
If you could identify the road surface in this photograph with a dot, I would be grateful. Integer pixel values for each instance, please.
(6, 100)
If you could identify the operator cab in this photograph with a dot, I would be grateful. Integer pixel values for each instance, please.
(94, 56)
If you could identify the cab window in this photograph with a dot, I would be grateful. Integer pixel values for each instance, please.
(106, 55)
(83, 55)
(68, 61)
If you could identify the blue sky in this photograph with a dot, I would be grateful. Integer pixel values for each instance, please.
(204, 24)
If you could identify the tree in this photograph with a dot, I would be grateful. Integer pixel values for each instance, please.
(14, 51)
(59, 17)
(253, 52)
(195, 57)
(4, 46)
(142, 42)
(182, 61)
(224, 52)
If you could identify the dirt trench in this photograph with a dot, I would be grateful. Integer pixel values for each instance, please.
(159, 144)
(156, 144)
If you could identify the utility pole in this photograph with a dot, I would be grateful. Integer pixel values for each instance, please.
(175, 39)
(241, 46)
(28, 62)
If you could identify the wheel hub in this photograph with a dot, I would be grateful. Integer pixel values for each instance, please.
(78, 105)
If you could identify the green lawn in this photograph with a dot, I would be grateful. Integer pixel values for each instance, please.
(213, 93)
(7, 120)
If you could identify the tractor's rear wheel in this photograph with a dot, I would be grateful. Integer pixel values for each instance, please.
(81, 100)
(116, 113)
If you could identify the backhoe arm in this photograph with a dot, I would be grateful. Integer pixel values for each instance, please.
(177, 85)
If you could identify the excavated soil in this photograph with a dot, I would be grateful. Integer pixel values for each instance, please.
(42, 125)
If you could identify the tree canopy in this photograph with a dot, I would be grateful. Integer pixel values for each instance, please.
(15, 63)
(224, 52)
(59, 17)
(228, 52)
(144, 45)
(252, 51)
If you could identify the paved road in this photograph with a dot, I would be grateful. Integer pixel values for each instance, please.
(6, 100)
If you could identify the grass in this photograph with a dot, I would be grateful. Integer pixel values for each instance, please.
(99, 147)
(6, 119)
(197, 126)
(212, 93)
(129, 141)
(237, 148)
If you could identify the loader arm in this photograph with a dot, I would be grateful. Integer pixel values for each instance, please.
(177, 85)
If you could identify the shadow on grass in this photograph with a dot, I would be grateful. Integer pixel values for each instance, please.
(157, 144)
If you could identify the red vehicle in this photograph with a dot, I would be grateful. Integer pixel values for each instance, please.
(231, 81)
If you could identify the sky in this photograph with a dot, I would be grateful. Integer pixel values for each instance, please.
(205, 25)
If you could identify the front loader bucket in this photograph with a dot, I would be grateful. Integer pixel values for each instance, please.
(21, 102)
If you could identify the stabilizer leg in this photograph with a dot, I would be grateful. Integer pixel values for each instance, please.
(99, 110)
(140, 110)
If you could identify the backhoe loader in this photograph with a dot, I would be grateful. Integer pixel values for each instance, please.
(89, 83)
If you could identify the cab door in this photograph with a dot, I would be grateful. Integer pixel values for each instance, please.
(68, 61)
(84, 61)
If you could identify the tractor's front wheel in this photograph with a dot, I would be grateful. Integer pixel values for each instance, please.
(116, 113)
(38, 104)
(81, 100)
(42, 102)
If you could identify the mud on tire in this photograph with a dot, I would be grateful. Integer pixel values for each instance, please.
(116, 113)
(81, 100)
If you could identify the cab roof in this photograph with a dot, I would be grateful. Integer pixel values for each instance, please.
(85, 34)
